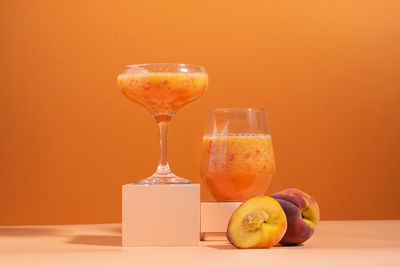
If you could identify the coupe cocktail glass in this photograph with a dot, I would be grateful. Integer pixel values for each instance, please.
(163, 89)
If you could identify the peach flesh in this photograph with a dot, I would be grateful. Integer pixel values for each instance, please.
(260, 222)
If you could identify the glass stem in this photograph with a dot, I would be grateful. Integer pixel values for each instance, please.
(163, 170)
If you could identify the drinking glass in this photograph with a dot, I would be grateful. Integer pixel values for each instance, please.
(237, 161)
(163, 89)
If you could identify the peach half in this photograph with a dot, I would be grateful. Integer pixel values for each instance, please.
(260, 222)
(302, 213)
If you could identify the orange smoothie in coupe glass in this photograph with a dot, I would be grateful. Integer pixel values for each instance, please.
(163, 93)
(237, 167)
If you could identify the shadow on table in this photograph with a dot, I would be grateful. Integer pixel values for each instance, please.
(219, 246)
(27, 231)
(229, 246)
(116, 229)
(334, 245)
(97, 240)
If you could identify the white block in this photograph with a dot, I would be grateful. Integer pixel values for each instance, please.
(215, 217)
(161, 215)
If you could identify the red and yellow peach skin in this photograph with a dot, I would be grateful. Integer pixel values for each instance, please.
(302, 213)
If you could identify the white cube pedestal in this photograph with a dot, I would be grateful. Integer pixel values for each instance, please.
(161, 215)
(215, 218)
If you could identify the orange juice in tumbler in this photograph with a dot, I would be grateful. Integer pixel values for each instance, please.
(162, 92)
(237, 167)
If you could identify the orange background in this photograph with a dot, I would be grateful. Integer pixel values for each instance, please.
(327, 72)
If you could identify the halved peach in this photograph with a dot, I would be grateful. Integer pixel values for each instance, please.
(260, 222)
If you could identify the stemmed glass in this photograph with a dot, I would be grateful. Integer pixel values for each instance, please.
(163, 89)
(237, 156)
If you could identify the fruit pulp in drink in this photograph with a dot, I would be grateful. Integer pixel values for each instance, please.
(237, 167)
(163, 93)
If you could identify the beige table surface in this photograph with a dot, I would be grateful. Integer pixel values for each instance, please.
(335, 243)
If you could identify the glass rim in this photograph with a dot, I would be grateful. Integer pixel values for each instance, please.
(236, 110)
(164, 64)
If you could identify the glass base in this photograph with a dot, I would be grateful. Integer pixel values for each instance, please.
(158, 181)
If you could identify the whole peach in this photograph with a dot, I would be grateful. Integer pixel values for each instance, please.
(302, 213)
